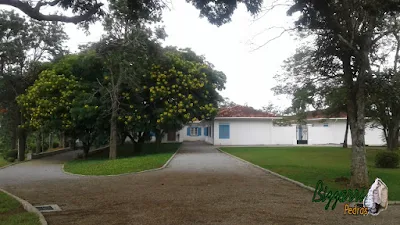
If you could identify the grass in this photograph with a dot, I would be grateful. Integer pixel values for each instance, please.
(310, 164)
(3, 162)
(127, 161)
(12, 212)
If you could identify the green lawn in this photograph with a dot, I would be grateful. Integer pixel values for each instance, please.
(310, 164)
(127, 162)
(12, 212)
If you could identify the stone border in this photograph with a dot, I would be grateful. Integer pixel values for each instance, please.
(124, 174)
(28, 207)
(51, 153)
(12, 164)
(283, 177)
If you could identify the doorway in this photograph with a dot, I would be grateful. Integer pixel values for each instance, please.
(302, 134)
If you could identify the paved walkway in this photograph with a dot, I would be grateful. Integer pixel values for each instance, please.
(49, 168)
(200, 186)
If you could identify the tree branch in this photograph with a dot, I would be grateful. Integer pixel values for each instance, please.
(36, 14)
(41, 3)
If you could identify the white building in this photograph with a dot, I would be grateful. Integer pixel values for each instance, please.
(242, 125)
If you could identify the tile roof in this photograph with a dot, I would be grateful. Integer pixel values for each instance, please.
(242, 111)
(317, 114)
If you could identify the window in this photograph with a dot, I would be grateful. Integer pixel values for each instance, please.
(224, 131)
(209, 131)
(325, 125)
(193, 131)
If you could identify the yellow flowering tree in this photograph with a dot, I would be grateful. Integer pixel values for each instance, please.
(180, 88)
(47, 102)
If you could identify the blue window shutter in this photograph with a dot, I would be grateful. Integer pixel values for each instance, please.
(206, 131)
(188, 131)
(199, 131)
(224, 131)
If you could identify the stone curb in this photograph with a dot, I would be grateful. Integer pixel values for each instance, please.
(15, 163)
(124, 174)
(286, 178)
(28, 207)
(12, 164)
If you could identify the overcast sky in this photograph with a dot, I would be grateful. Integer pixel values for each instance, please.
(249, 73)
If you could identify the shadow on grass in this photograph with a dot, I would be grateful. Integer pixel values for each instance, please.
(130, 150)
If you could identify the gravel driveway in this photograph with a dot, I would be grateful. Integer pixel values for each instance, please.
(200, 186)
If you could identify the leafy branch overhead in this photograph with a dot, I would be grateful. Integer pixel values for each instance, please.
(87, 11)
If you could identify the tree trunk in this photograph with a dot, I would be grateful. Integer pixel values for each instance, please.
(158, 134)
(113, 129)
(346, 133)
(50, 141)
(42, 142)
(393, 137)
(62, 139)
(38, 142)
(355, 109)
(86, 148)
(21, 144)
(72, 143)
(14, 137)
(123, 137)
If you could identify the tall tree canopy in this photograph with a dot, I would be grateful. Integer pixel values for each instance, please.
(87, 11)
(351, 30)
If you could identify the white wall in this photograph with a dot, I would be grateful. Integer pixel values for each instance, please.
(244, 132)
(374, 136)
(283, 135)
(185, 137)
(334, 133)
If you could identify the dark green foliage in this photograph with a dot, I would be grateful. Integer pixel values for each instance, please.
(56, 144)
(11, 159)
(10, 154)
(220, 12)
(387, 159)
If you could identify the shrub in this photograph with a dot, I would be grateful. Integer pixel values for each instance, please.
(387, 159)
(10, 154)
(31, 147)
(56, 144)
(11, 160)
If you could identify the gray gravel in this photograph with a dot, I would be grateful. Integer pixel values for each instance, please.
(202, 158)
(200, 186)
(49, 168)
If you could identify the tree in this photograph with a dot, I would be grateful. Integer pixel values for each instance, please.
(90, 10)
(124, 53)
(335, 21)
(89, 119)
(313, 83)
(180, 87)
(24, 47)
(226, 102)
(47, 103)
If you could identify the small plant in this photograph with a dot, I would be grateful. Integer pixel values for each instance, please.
(56, 144)
(11, 160)
(387, 159)
(10, 154)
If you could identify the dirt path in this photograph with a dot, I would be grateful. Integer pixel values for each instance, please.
(201, 186)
